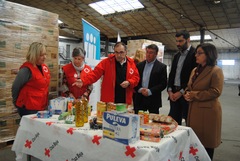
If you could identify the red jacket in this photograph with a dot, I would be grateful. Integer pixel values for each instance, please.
(34, 94)
(71, 76)
(107, 69)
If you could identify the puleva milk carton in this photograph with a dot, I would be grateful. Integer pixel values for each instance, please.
(121, 127)
(59, 103)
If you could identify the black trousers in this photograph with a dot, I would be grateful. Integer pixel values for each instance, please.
(23, 111)
(179, 110)
(210, 152)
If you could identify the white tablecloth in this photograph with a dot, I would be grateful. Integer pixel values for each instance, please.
(52, 140)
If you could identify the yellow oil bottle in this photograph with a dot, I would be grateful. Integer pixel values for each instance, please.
(79, 118)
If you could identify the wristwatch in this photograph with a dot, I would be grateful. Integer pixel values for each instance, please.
(182, 91)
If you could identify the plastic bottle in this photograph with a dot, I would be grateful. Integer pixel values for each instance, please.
(79, 121)
(85, 109)
(69, 106)
(89, 110)
(50, 110)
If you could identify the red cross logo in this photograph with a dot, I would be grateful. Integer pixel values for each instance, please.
(86, 70)
(96, 139)
(45, 69)
(180, 156)
(130, 151)
(131, 71)
(28, 144)
(47, 152)
(70, 130)
(49, 123)
(193, 151)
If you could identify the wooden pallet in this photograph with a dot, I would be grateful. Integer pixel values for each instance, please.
(6, 142)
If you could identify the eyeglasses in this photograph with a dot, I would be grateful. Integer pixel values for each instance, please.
(199, 53)
(121, 52)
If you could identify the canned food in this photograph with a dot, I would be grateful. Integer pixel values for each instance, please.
(101, 107)
(121, 107)
(111, 106)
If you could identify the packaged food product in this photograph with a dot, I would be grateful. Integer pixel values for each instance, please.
(43, 114)
(63, 116)
(111, 106)
(69, 119)
(150, 138)
(101, 107)
(121, 107)
(146, 117)
(121, 127)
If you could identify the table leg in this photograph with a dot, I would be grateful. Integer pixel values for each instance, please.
(29, 157)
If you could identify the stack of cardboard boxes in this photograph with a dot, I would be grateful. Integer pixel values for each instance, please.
(19, 27)
(133, 45)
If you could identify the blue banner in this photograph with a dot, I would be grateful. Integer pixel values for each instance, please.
(91, 40)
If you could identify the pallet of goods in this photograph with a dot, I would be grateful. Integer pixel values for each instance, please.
(18, 30)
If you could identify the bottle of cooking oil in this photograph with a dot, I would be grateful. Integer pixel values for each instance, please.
(89, 110)
(79, 121)
(85, 109)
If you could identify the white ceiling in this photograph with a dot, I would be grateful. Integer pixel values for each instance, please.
(159, 21)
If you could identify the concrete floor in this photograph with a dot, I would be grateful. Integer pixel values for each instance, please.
(229, 150)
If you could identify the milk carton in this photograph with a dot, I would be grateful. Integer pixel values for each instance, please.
(59, 103)
(121, 127)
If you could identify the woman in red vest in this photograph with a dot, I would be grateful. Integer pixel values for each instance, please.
(30, 87)
(73, 71)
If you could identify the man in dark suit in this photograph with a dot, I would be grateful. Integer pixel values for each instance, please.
(153, 80)
(183, 63)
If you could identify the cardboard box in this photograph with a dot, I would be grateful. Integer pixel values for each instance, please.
(133, 45)
(121, 127)
(32, 25)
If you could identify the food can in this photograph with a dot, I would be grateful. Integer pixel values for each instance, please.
(121, 107)
(111, 106)
(101, 107)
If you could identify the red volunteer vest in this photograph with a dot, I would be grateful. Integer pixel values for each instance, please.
(71, 76)
(34, 94)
